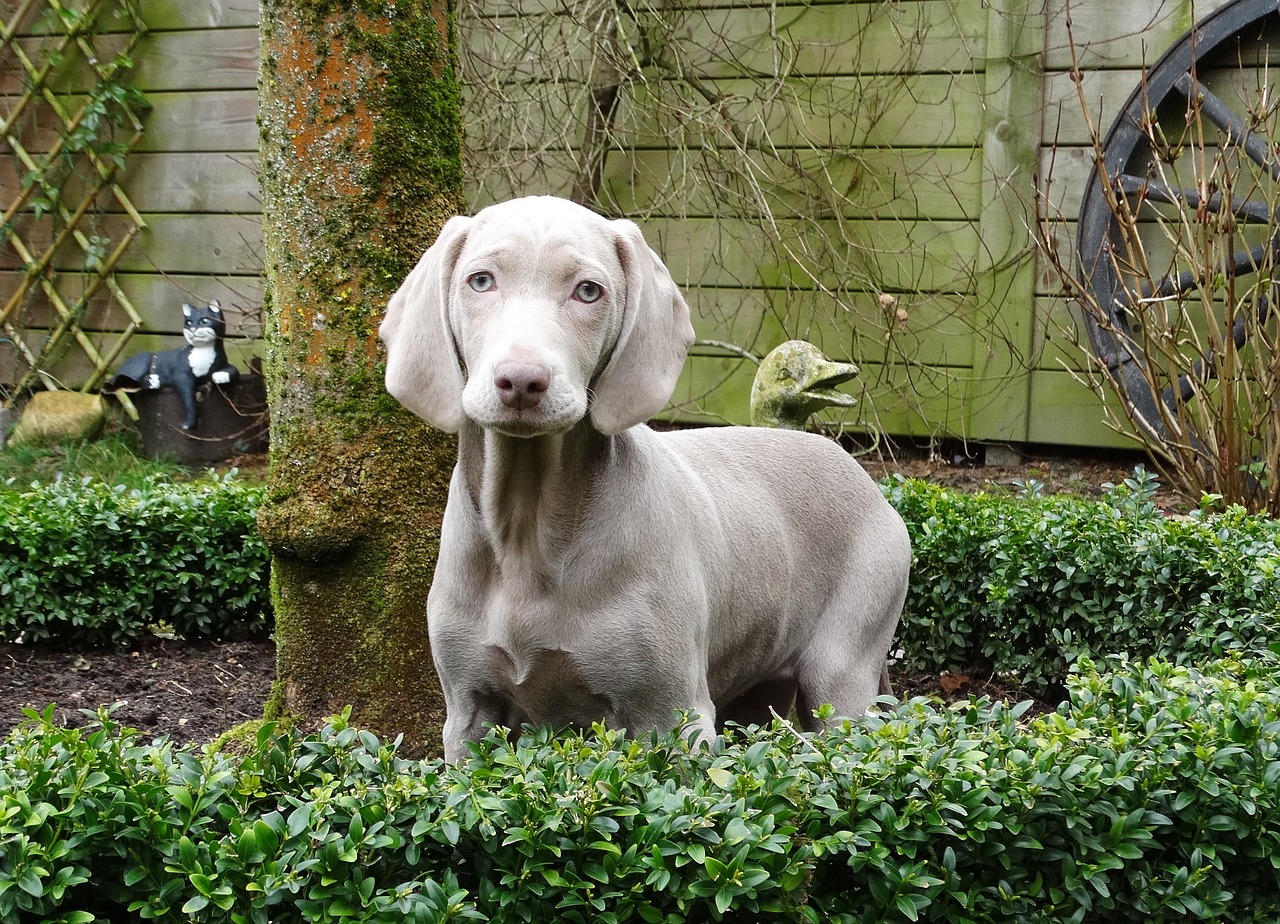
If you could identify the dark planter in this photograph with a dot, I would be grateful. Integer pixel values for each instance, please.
(233, 421)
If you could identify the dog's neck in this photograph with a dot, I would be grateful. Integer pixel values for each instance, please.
(531, 492)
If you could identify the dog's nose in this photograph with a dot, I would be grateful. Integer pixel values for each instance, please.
(521, 385)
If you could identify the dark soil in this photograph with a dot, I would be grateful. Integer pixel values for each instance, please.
(187, 691)
(193, 691)
(965, 469)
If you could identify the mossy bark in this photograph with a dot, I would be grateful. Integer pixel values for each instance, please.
(360, 167)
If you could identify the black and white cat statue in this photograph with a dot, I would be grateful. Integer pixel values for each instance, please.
(185, 369)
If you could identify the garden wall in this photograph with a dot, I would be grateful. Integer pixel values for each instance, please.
(860, 174)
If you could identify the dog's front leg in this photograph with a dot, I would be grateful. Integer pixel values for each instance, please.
(468, 719)
(456, 734)
(700, 726)
(700, 730)
(690, 710)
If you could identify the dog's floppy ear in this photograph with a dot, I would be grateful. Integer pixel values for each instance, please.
(423, 370)
(655, 334)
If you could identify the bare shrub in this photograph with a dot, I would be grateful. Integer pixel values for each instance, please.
(1175, 273)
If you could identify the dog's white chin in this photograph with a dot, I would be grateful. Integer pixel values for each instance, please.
(521, 430)
(525, 424)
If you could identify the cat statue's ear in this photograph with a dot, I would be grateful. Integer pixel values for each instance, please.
(186, 310)
(215, 306)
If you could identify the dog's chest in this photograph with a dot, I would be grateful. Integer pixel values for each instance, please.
(557, 662)
(550, 686)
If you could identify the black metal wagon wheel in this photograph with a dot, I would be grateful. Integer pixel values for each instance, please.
(1128, 177)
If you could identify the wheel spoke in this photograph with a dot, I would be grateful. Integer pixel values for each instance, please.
(1244, 261)
(1202, 370)
(1220, 114)
(1247, 209)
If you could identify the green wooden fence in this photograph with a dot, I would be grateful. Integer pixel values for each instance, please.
(190, 180)
(860, 174)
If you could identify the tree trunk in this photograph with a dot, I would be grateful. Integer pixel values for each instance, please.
(360, 168)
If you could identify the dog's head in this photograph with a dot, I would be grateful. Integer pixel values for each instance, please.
(533, 315)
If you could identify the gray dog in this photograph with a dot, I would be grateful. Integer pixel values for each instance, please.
(592, 568)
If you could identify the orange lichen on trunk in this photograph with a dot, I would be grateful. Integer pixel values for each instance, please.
(332, 110)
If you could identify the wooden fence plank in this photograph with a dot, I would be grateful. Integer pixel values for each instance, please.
(161, 15)
(1118, 35)
(913, 111)
(871, 183)
(157, 298)
(182, 183)
(199, 14)
(210, 59)
(926, 110)
(1064, 173)
(176, 243)
(902, 37)
(1068, 413)
(920, 328)
(887, 256)
(189, 121)
(217, 120)
(581, 8)
(208, 182)
(221, 59)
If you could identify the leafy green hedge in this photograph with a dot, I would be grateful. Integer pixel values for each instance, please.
(1028, 584)
(90, 562)
(1024, 584)
(1151, 798)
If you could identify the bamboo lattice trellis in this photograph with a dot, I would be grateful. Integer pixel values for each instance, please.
(60, 35)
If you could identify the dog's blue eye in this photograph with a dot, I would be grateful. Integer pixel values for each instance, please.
(588, 292)
(481, 282)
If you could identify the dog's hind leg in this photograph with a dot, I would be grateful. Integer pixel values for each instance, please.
(848, 687)
(848, 670)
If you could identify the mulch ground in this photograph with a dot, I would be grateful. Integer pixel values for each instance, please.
(193, 691)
